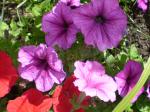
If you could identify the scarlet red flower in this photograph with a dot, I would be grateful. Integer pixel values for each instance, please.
(64, 95)
(31, 101)
(8, 74)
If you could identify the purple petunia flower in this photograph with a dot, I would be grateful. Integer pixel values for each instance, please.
(71, 3)
(41, 64)
(143, 4)
(92, 79)
(58, 26)
(148, 90)
(128, 77)
(102, 23)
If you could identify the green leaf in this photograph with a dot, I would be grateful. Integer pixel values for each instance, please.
(3, 26)
(145, 109)
(36, 10)
(46, 5)
(15, 30)
(126, 101)
(13, 25)
(133, 52)
(110, 59)
(12, 49)
(143, 104)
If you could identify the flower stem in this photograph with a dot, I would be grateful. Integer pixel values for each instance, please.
(3, 8)
(78, 102)
(18, 6)
(81, 97)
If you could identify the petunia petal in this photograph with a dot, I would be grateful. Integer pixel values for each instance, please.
(31, 101)
(25, 55)
(59, 27)
(128, 77)
(28, 72)
(94, 82)
(43, 81)
(8, 74)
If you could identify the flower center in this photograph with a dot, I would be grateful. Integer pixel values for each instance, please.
(128, 80)
(42, 63)
(100, 19)
(66, 26)
(69, 3)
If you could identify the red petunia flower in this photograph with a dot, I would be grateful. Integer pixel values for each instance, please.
(64, 96)
(8, 74)
(31, 101)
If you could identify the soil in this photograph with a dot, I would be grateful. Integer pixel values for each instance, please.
(139, 32)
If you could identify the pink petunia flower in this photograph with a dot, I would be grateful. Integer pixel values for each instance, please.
(128, 77)
(143, 4)
(41, 64)
(92, 79)
(59, 27)
(102, 22)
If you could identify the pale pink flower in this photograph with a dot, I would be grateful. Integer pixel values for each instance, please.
(92, 79)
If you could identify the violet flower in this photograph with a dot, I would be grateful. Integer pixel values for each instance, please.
(59, 27)
(128, 77)
(102, 22)
(148, 90)
(143, 4)
(41, 64)
(72, 3)
(92, 79)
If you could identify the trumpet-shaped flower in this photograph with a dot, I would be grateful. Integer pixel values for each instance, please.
(92, 79)
(64, 95)
(8, 74)
(31, 101)
(128, 77)
(102, 22)
(59, 27)
(42, 65)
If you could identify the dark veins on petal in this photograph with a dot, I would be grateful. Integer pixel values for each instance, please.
(125, 90)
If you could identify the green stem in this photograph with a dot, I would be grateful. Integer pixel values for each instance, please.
(18, 6)
(2, 14)
(126, 101)
(81, 97)
(79, 101)
(21, 4)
